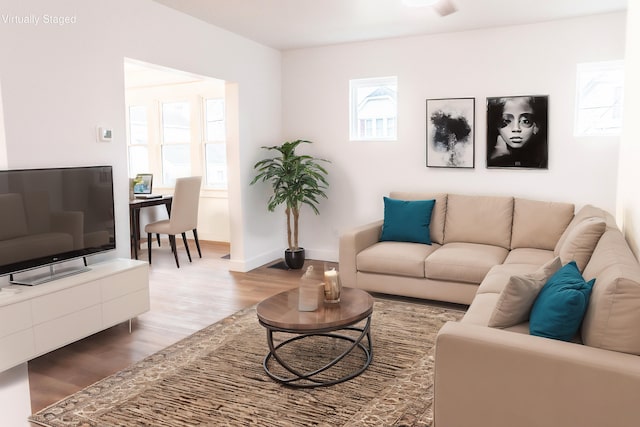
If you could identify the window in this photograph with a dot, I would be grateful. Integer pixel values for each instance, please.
(178, 130)
(373, 108)
(599, 93)
(138, 140)
(176, 138)
(215, 147)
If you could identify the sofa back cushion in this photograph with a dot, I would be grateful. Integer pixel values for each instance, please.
(436, 227)
(613, 317)
(14, 221)
(479, 219)
(538, 224)
(587, 211)
(581, 242)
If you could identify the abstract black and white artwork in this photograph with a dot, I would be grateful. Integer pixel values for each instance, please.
(517, 132)
(450, 133)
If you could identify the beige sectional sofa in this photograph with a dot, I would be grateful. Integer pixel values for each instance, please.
(487, 376)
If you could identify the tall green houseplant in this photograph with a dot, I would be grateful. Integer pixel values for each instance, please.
(296, 180)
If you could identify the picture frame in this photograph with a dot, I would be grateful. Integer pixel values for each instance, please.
(450, 133)
(143, 183)
(517, 132)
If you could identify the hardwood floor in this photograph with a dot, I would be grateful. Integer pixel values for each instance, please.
(183, 301)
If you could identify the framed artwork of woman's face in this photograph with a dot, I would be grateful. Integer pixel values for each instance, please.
(517, 132)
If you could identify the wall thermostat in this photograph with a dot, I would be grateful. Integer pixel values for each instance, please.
(104, 134)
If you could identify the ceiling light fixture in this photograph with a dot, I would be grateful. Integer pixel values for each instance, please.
(419, 3)
(442, 7)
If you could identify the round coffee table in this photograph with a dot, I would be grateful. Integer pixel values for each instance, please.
(280, 314)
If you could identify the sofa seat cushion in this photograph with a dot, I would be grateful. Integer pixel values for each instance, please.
(517, 297)
(529, 256)
(499, 275)
(612, 320)
(481, 308)
(480, 311)
(463, 262)
(539, 224)
(479, 219)
(395, 258)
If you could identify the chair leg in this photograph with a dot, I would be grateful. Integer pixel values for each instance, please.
(149, 246)
(195, 236)
(186, 245)
(172, 242)
(158, 238)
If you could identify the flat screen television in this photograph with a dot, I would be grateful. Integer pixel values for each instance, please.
(48, 216)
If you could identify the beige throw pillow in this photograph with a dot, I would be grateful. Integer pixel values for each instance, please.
(581, 242)
(517, 297)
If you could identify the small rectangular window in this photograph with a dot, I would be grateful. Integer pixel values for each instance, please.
(215, 144)
(138, 139)
(176, 162)
(373, 108)
(599, 90)
(176, 122)
(176, 138)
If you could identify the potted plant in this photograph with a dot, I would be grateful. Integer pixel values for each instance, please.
(296, 180)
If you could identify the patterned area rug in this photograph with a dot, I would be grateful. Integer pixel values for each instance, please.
(215, 377)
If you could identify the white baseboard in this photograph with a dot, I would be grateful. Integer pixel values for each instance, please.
(242, 266)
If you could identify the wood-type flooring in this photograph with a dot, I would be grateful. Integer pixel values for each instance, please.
(183, 301)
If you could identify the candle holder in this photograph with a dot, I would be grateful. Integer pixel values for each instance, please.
(308, 291)
(332, 285)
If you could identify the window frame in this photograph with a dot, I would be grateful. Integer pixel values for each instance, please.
(616, 92)
(153, 99)
(364, 128)
(206, 141)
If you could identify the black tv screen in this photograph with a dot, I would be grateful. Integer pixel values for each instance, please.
(53, 215)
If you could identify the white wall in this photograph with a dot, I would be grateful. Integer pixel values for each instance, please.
(60, 82)
(15, 401)
(3, 145)
(535, 59)
(629, 176)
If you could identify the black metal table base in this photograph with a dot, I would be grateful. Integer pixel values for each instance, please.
(310, 379)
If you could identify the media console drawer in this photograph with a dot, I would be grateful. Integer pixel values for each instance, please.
(67, 329)
(59, 304)
(14, 318)
(38, 319)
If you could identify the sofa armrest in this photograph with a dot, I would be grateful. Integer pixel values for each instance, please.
(491, 377)
(351, 243)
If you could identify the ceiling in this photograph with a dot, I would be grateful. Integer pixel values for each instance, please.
(292, 24)
(140, 75)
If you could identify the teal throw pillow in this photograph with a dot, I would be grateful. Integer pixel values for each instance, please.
(407, 220)
(561, 304)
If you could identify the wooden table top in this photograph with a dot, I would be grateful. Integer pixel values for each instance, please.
(281, 311)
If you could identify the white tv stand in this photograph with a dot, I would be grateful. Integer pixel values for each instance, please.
(35, 320)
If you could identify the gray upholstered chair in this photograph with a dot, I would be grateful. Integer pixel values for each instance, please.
(183, 217)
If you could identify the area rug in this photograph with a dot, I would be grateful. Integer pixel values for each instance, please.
(215, 377)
